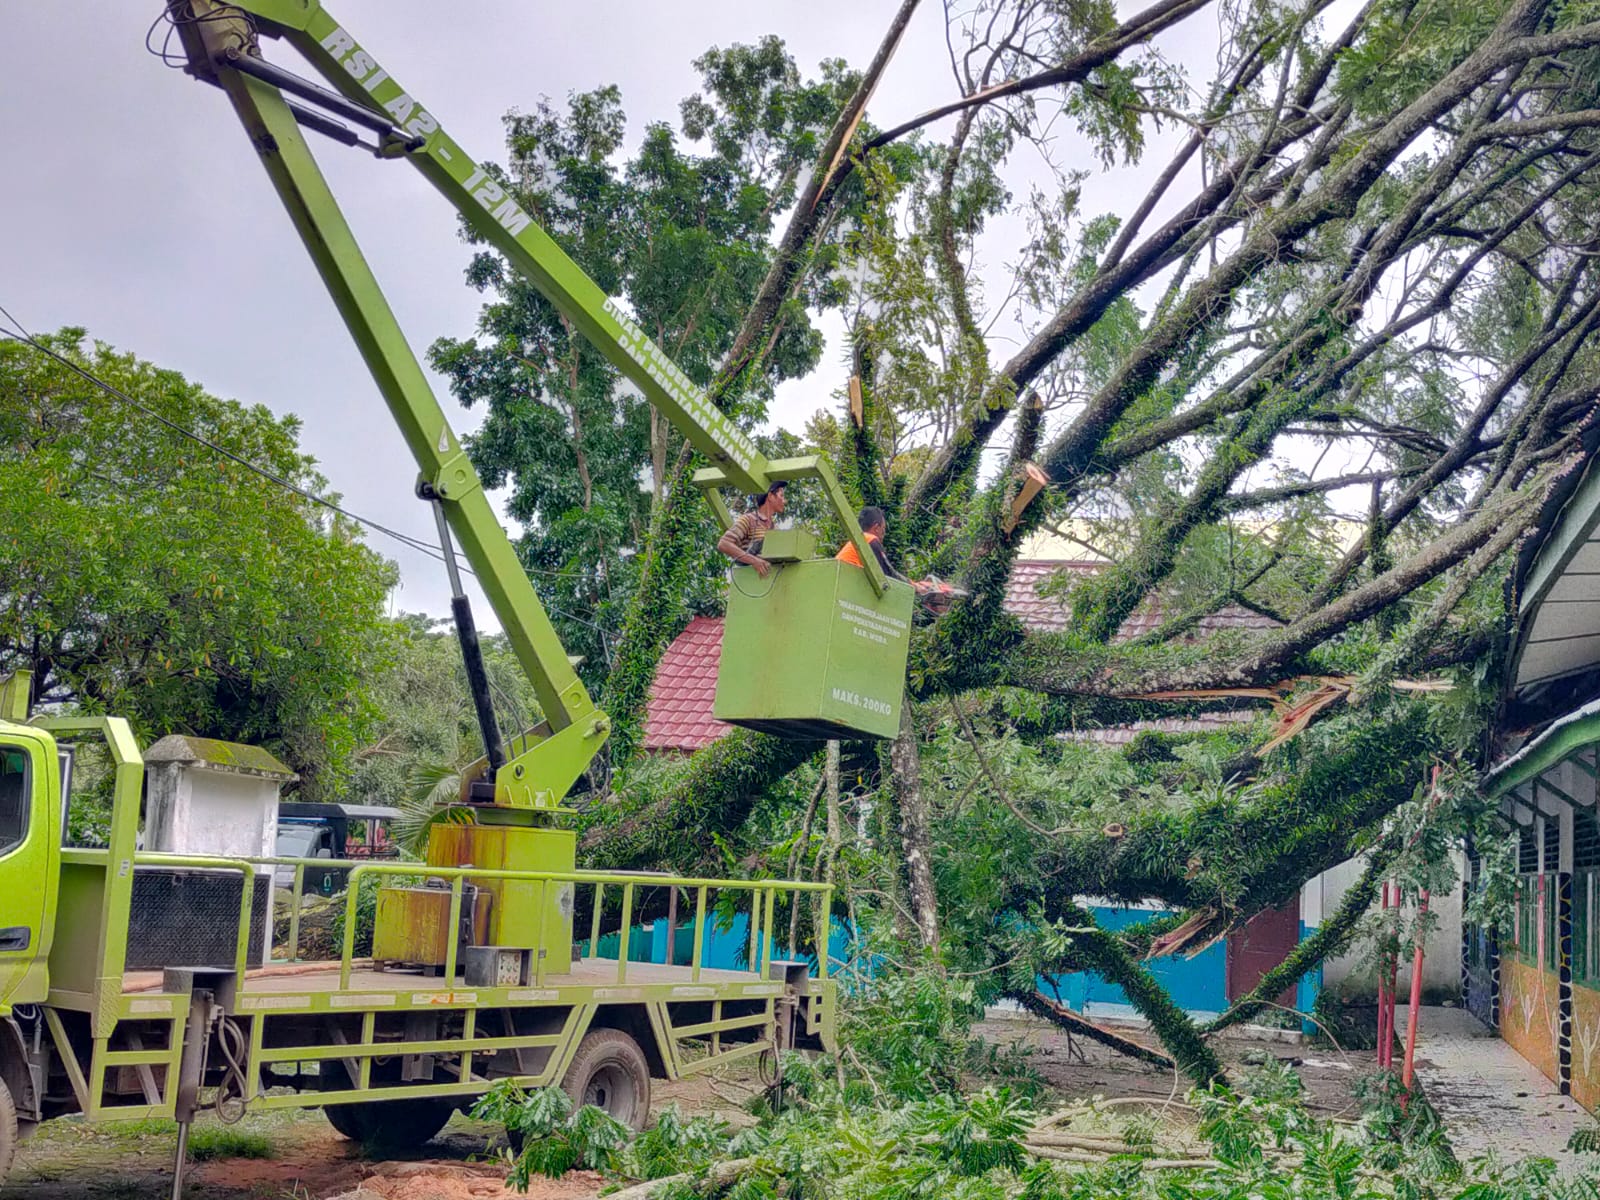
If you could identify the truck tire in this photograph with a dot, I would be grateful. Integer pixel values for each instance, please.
(387, 1123)
(610, 1072)
(344, 1121)
(8, 1131)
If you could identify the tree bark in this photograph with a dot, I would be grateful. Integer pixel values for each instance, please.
(905, 785)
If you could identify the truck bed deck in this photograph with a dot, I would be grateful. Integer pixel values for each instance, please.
(323, 978)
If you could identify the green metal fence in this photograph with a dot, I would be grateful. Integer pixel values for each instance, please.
(1586, 926)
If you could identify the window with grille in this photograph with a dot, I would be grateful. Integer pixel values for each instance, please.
(1536, 921)
(1585, 839)
(1527, 851)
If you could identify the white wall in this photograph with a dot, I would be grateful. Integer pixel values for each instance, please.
(195, 810)
(1347, 974)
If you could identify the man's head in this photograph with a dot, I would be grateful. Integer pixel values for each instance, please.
(873, 521)
(772, 501)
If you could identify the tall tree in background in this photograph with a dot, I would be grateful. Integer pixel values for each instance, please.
(681, 230)
(145, 575)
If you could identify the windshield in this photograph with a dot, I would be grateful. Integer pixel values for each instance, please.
(298, 841)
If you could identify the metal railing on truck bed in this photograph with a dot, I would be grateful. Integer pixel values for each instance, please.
(123, 1038)
(761, 907)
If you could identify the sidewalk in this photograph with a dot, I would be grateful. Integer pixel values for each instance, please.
(1490, 1097)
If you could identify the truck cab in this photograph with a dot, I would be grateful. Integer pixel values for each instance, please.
(30, 845)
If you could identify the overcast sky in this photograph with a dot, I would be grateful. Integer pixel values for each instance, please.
(133, 205)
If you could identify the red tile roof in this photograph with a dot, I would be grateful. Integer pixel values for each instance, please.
(1051, 613)
(678, 717)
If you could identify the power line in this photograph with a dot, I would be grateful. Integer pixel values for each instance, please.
(27, 339)
(23, 337)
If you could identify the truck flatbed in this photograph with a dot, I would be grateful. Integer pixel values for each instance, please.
(367, 977)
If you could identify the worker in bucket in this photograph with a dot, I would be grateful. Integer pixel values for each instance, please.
(935, 596)
(742, 541)
(873, 527)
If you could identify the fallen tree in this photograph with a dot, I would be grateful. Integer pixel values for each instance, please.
(1323, 372)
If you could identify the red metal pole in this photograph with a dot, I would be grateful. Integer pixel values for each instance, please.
(1384, 1031)
(1416, 992)
(1394, 989)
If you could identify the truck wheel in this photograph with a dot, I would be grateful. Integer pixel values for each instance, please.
(8, 1131)
(609, 1071)
(345, 1122)
(386, 1123)
(390, 1124)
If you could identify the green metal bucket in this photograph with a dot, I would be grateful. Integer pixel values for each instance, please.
(810, 651)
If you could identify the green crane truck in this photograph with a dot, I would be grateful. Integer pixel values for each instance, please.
(94, 1019)
(137, 984)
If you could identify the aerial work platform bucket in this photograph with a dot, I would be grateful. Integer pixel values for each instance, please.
(811, 652)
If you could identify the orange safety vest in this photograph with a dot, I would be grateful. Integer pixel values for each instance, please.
(847, 553)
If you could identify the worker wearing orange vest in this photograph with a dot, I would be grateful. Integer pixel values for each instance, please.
(873, 525)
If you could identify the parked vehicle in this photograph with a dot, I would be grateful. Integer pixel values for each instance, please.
(330, 831)
(94, 1020)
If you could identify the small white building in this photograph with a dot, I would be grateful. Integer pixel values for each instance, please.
(211, 797)
(1354, 975)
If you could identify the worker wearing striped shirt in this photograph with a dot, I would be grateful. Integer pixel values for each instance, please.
(742, 542)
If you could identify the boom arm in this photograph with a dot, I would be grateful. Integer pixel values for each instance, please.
(221, 42)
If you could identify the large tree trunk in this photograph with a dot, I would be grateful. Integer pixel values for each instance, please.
(905, 785)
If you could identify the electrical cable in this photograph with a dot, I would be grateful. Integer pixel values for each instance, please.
(772, 582)
(25, 338)
(229, 1101)
(173, 19)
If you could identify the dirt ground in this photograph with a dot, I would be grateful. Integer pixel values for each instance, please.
(133, 1160)
(1078, 1069)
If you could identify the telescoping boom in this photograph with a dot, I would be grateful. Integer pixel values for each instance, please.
(860, 620)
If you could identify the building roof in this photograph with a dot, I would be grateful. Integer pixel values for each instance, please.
(215, 755)
(1050, 613)
(1557, 581)
(678, 716)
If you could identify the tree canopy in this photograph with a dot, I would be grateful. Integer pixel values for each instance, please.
(146, 575)
(681, 229)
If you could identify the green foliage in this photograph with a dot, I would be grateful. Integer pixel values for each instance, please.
(680, 232)
(146, 576)
(827, 1142)
(1406, 49)
(555, 1139)
(675, 1143)
(1492, 902)
(911, 1031)
(428, 732)
(208, 1142)
(1584, 1141)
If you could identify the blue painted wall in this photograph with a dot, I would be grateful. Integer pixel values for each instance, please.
(726, 949)
(1199, 985)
